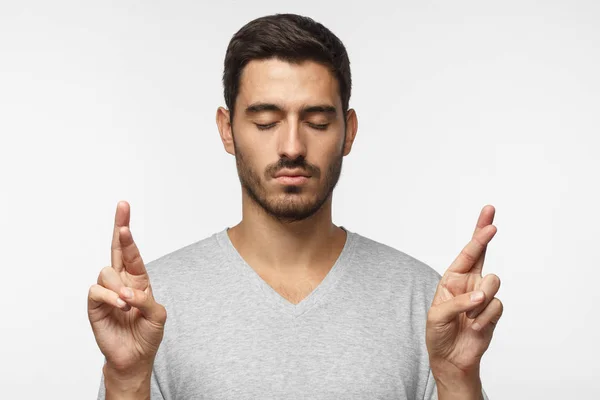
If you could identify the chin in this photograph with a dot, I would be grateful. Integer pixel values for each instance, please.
(294, 207)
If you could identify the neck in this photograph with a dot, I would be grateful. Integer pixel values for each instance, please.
(287, 247)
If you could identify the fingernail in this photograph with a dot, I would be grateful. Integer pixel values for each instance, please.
(121, 303)
(127, 293)
(476, 326)
(477, 296)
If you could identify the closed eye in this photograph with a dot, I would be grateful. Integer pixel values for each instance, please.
(320, 127)
(264, 127)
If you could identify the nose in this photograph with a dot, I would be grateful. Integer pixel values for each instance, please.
(291, 141)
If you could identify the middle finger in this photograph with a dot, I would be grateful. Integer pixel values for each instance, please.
(110, 279)
(490, 284)
(486, 217)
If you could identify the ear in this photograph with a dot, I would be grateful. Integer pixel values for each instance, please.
(351, 130)
(224, 125)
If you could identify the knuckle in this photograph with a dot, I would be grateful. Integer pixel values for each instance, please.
(495, 279)
(142, 296)
(465, 254)
(491, 283)
(499, 305)
(478, 243)
(433, 315)
(498, 314)
(93, 289)
(135, 257)
(161, 313)
(104, 273)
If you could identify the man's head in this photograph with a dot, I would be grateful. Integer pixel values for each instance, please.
(287, 87)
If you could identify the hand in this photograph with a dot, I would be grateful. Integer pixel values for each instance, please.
(464, 311)
(128, 329)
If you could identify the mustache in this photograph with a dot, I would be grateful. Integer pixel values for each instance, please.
(298, 163)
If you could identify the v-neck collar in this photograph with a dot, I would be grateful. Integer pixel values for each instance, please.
(274, 298)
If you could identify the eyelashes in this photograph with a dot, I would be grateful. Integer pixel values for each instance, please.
(320, 127)
(264, 127)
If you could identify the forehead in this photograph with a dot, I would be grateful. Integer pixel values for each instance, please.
(292, 85)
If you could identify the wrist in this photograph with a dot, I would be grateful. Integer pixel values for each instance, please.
(451, 387)
(454, 383)
(130, 384)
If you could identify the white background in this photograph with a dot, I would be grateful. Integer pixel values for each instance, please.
(460, 104)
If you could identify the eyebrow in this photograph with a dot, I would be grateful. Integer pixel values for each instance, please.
(320, 108)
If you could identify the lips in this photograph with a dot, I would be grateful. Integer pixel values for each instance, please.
(295, 173)
(292, 180)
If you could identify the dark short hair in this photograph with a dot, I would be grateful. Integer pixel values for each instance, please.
(288, 37)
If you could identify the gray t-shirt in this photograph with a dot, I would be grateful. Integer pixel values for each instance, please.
(359, 335)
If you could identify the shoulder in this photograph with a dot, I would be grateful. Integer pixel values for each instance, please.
(392, 263)
(191, 261)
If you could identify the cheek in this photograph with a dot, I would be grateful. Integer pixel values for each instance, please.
(256, 161)
(330, 149)
(326, 157)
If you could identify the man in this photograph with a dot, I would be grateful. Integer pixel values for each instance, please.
(287, 305)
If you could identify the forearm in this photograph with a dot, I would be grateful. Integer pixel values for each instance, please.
(127, 387)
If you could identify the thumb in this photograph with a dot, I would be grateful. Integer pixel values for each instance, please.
(144, 301)
(447, 311)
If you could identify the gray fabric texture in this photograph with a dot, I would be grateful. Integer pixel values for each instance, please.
(359, 335)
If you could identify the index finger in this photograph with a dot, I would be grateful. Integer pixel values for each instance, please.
(472, 252)
(121, 219)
